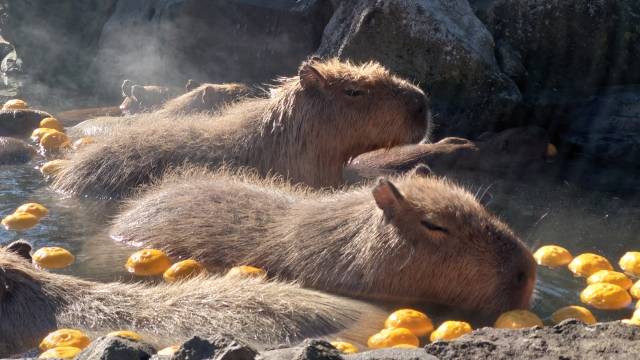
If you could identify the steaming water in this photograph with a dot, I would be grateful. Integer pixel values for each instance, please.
(540, 211)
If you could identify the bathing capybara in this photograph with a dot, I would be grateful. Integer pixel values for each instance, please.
(509, 150)
(140, 98)
(306, 131)
(20, 122)
(15, 151)
(413, 238)
(35, 302)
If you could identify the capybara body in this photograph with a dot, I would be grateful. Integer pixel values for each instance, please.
(20, 123)
(509, 150)
(15, 151)
(140, 98)
(306, 131)
(422, 239)
(35, 302)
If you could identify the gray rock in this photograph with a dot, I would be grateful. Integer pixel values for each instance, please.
(219, 348)
(308, 350)
(116, 348)
(392, 354)
(11, 64)
(439, 44)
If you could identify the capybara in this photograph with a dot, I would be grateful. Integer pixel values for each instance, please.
(205, 98)
(140, 98)
(20, 122)
(509, 150)
(306, 131)
(35, 302)
(15, 151)
(412, 238)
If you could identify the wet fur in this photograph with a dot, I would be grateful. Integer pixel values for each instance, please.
(15, 151)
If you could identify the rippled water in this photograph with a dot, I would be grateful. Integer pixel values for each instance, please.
(540, 211)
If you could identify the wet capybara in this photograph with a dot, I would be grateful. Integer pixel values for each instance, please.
(35, 302)
(412, 238)
(15, 151)
(140, 98)
(306, 131)
(20, 122)
(509, 150)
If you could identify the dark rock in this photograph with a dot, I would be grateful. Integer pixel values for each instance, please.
(15, 151)
(219, 348)
(11, 64)
(308, 350)
(439, 44)
(392, 354)
(20, 123)
(116, 348)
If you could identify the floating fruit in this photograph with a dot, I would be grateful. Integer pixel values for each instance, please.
(148, 262)
(517, 319)
(65, 337)
(635, 290)
(52, 167)
(54, 141)
(450, 330)
(83, 142)
(51, 123)
(20, 221)
(15, 104)
(586, 264)
(391, 337)
(552, 150)
(183, 270)
(610, 277)
(630, 263)
(552, 256)
(168, 351)
(34, 209)
(245, 270)
(60, 352)
(345, 347)
(413, 320)
(129, 335)
(638, 305)
(573, 312)
(38, 133)
(605, 296)
(53, 257)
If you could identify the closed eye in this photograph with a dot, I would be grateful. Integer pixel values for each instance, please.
(354, 92)
(433, 227)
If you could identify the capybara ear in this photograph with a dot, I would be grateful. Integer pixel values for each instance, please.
(191, 85)
(126, 88)
(388, 198)
(20, 247)
(310, 77)
(138, 92)
(423, 170)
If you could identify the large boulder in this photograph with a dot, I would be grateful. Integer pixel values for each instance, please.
(441, 45)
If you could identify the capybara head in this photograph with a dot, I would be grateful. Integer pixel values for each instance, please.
(455, 251)
(138, 98)
(207, 98)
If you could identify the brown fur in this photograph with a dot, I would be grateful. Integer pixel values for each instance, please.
(143, 98)
(34, 303)
(349, 242)
(15, 151)
(20, 123)
(311, 126)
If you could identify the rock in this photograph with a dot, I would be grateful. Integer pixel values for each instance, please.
(20, 123)
(441, 45)
(15, 151)
(219, 348)
(11, 64)
(392, 354)
(116, 348)
(5, 47)
(570, 339)
(308, 350)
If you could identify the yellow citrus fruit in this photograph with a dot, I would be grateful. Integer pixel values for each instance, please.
(517, 319)
(38, 133)
(450, 330)
(65, 337)
(148, 262)
(60, 352)
(345, 347)
(634, 322)
(391, 337)
(54, 141)
(20, 221)
(605, 296)
(51, 123)
(183, 270)
(34, 209)
(52, 167)
(15, 104)
(573, 312)
(635, 290)
(404, 346)
(586, 264)
(130, 335)
(83, 142)
(636, 314)
(247, 271)
(53, 257)
(610, 277)
(413, 320)
(638, 305)
(168, 351)
(630, 263)
(552, 256)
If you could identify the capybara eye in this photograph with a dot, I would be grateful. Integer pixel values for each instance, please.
(521, 278)
(354, 92)
(433, 227)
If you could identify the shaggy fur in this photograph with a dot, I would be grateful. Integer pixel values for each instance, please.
(15, 151)
(20, 123)
(141, 98)
(306, 131)
(34, 303)
(433, 243)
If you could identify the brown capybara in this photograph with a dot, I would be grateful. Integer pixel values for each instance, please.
(306, 131)
(412, 238)
(15, 151)
(509, 150)
(264, 313)
(20, 123)
(141, 98)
